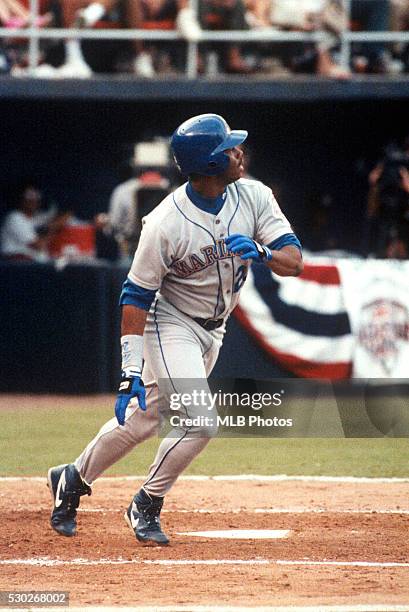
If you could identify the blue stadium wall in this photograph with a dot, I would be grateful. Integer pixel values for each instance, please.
(61, 329)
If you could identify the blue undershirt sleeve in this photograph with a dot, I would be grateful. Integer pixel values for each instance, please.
(136, 296)
(285, 240)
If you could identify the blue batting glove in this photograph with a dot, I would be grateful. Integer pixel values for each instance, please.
(248, 248)
(130, 387)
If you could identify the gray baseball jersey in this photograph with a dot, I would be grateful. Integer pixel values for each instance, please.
(182, 256)
(182, 251)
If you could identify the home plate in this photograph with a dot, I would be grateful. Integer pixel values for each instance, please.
(241, 534)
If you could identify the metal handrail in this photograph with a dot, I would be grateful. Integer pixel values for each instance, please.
(262, 35)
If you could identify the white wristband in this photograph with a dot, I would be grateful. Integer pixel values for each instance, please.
(132, 354)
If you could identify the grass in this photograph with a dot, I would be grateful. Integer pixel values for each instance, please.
(33, 437)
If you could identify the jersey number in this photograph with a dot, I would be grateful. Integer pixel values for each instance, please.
(241, 276)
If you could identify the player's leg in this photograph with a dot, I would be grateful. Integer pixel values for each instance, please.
(181, 359)
(69, 482)
(114, 441)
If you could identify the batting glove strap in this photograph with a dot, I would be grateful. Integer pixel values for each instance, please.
(131, 372)
(129, 385)
(264, 252)
(247, 248)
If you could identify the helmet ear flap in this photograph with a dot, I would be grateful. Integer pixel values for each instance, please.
(217, 163)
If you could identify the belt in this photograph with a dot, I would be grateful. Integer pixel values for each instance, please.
(209, 324)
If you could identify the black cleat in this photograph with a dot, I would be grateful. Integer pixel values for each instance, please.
(66, 486)
(142, 517)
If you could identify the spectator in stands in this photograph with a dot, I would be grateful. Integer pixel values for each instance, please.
(71, 63)
(213, 15)
(122, 220)
(15, 14)
(80, 14)
(400, 23)
(226, 15)
(159, 14)
(134, 14)
(328, 15)
(373, 16)
(129, 202)
(307, 16)
(387, 222)
(25, 231)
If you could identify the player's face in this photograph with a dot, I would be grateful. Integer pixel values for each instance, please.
(235, 169)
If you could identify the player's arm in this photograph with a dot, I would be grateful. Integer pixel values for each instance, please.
(286, 262)
(135, 302)
(133, 320)
(282, 256)
(147, 271)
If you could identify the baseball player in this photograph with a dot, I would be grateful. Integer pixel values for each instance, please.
(192, 259)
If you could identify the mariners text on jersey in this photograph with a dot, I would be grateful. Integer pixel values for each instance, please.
(196, 263)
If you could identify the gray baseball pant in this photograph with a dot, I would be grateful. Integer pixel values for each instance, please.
(179, 355)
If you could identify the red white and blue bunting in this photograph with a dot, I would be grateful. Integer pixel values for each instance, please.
(318, 324)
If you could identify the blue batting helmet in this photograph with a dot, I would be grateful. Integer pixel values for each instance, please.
(198, 144)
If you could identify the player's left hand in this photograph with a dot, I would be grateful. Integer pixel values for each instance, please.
(248, 248)
(130, 387)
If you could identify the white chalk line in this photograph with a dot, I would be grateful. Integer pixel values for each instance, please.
(47, 562)
(234, 478)
(239, 534)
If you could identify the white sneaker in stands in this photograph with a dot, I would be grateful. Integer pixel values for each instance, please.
(143, 65)
(188, 25)
(74, 70)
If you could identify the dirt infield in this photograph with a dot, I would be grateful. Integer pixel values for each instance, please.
(329, 522)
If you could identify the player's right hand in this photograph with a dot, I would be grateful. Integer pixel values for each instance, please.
(131, 386)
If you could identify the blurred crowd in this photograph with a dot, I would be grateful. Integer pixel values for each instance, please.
(380, 227)
(33, 231)
(73, 58)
